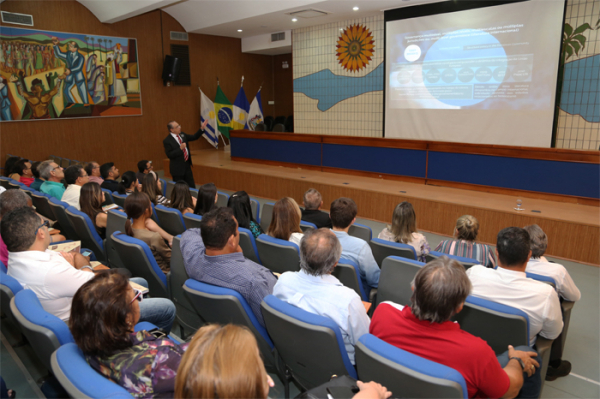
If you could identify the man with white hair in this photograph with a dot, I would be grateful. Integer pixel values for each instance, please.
(52, 174)
(312, 209)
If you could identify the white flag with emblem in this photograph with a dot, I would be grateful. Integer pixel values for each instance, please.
(207, 112)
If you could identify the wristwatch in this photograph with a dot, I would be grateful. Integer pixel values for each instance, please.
(518, 359)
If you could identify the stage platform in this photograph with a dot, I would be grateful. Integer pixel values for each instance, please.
(573, 230)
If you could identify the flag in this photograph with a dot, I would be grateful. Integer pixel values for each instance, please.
(224, 112)
(255, 115)
(240, 110)
(207, 112)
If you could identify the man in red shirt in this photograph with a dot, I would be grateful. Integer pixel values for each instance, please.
(439, 291)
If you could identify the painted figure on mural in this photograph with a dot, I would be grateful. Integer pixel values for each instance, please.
(3, 55)
(39, 103)
(18, 58)
(29, 58)
(5, 103)
(46, 57)
(74, 62)
(39, 59)
(116, 88)
(98, 91)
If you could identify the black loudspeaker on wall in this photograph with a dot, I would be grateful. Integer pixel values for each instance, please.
(170, 69)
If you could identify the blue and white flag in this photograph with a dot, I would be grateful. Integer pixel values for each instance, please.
(207, 112)
(240, 109)
(255, 115)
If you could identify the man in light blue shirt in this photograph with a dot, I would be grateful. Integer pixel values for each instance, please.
(315, 290)
(53, 174)
(343, 214)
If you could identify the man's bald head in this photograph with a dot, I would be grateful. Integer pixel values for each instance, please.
(320, 250)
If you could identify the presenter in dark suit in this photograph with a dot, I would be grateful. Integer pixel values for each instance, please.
(178, 152)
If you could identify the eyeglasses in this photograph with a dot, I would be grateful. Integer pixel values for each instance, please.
(58, 167)
(138, 296)
(46, 223)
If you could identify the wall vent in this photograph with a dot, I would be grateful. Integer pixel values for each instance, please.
(18, 19)
(183, 36)
(277, 37)
(183, 53)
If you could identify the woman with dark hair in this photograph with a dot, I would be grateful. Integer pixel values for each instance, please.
(8, 167)
(242, 210)
(222, 362)
(104, 313)
(181, 198)
(404, 230)
(285, 223)
(467, 228)
(23, 168)
(90, 203)
(207, 199)
(129, 183)
(153, 190)
(138, 209)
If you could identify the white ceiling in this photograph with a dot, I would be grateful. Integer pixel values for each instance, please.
(254, 17)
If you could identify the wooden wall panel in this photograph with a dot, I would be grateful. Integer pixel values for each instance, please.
(126, 140)
(283, 86)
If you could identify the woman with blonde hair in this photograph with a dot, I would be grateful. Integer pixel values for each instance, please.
(285, 222)
(404, 230)
(222, 362)
(467, 228)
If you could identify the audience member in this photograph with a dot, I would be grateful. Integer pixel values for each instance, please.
(38, 181)
(23, 169)
(440, 289)
(8, 167)
(222, 362)
(104, 313)
(182, 199)
(109, 174)
(93, 171)
(138, 210)
(242, 210)
(75, 177)
(207, 199)
(509, 285)
(315, 290)
(52, 174)
(129, 183)
(145, 168)
(153, 189)
(343, 214)
(285, 222)
(467, 228)
(212, 254)
(90, 203)
(538, 264)
(404, 230)
(312, 209)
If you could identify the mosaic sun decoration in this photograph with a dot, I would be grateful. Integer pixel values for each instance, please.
(355, 48)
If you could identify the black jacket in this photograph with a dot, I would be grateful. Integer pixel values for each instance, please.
(178, 164)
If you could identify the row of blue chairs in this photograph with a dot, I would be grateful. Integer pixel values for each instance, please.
(64, 162)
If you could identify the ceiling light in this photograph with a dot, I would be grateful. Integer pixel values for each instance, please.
(294, 19)
(355, 8)
(239, 30)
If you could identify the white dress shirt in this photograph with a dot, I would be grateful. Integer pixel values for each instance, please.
(71, 195)
(50, 277)
(326, 296)
(508, 287)
(565, 286)
(296, 238)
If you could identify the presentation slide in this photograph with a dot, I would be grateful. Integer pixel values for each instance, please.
(486, 75)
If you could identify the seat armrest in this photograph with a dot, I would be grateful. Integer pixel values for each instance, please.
(543, 346)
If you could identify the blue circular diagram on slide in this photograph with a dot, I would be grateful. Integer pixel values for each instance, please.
(464, 67)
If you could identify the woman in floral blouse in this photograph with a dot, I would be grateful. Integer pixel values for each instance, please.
(104, 313)
(242, 210)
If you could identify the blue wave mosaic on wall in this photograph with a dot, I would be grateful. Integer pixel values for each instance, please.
(581, 88)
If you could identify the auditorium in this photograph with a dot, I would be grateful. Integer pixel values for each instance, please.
(207, 181)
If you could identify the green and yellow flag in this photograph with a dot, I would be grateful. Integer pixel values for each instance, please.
(224, 112)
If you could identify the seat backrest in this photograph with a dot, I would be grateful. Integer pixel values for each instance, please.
(361, 231)
(170, 186)
(15, 185)
(277, 255)
(255, 206)
(544, 279)
(382, 249)
(137, 257)
(59, 208)
(108, 198)
(248, 245)
(119, 199)
(405, 374)
(64, 163)
(192, 221)
(279, 127)
(4, 182)
(348, 273)
(27, 190)
(266, 215)
(87, 233)
(171, 220)
(466, 262)
(305, 226)
(223, 306)
(115, 222)
(310, 345)
(9, 287)
(44, 331)
(40, 201)
(222, 199)
(394, 281)
(499, 325)
(79, 379)
(163, 184)
(194, 192)
(260, 127)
